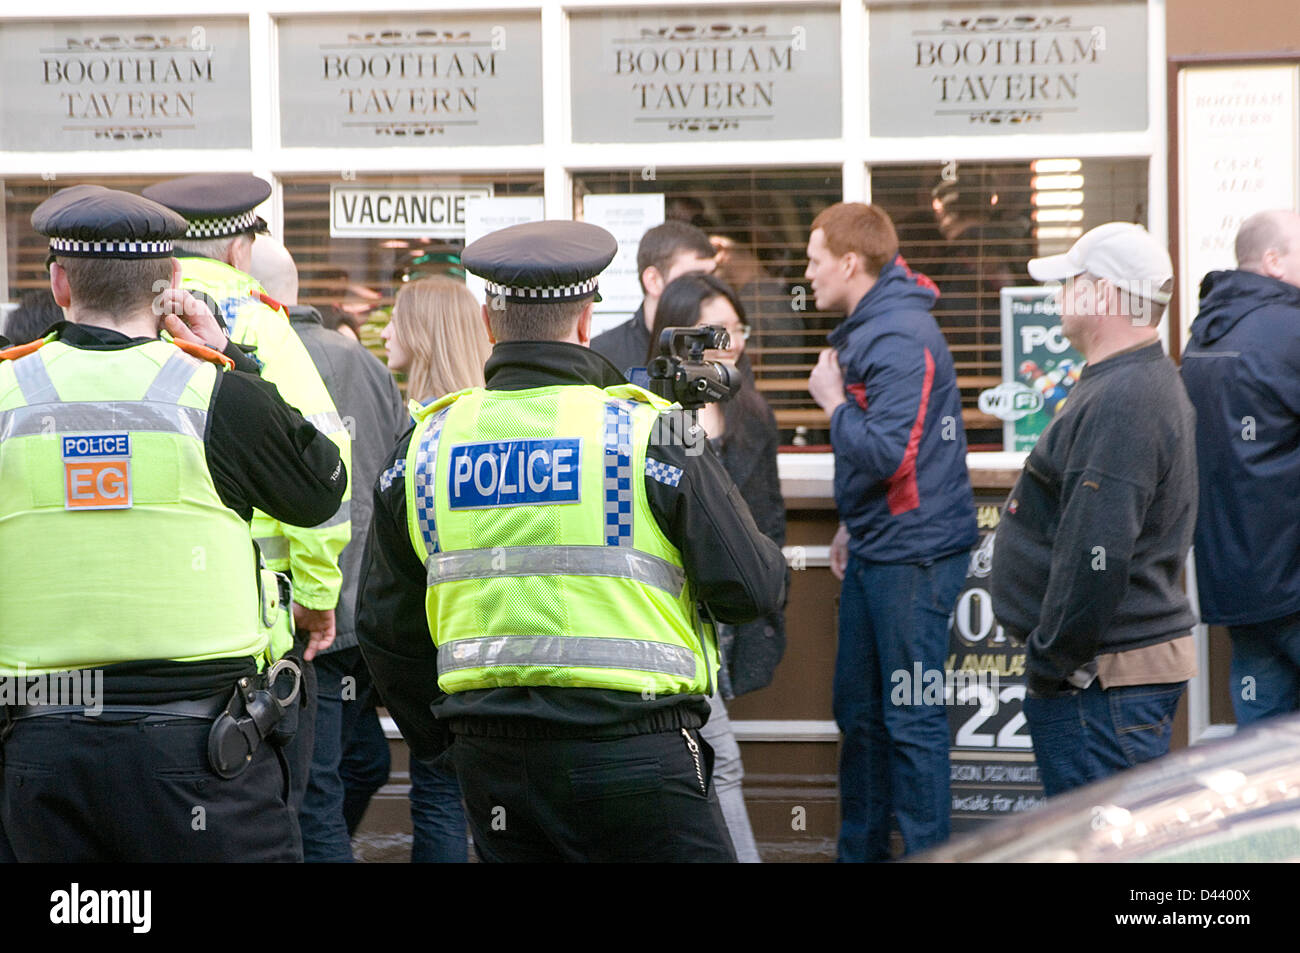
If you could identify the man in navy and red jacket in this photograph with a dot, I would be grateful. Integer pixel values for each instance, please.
(907, 525)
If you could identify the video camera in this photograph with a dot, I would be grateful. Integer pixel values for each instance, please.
(680, 373)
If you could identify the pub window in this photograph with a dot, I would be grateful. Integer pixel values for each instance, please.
(972, 226)
(760, 219)
(24, 250)
(361, 275)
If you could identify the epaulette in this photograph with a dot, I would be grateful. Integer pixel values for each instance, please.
(270, 302)
(205, 353)
(22, 350)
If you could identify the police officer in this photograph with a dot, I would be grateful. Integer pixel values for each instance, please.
(556, 540)
(216, 253)
(129, 467)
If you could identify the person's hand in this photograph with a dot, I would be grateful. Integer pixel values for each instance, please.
(840, 552)
(320, 623)
(186, 318)
(826, 383)
(1039, 686)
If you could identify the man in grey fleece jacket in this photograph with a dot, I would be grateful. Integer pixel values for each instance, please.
(371, 406)
(1094, 536)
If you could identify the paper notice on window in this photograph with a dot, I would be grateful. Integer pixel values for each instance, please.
(627, 218)
(484, 216)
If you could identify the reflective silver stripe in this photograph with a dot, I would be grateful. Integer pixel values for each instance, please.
(89, 416)
(273, 547)
(34, 380)
(327, 423)
(619, 562)
(566, 651)
(342, 515)
(173, 377)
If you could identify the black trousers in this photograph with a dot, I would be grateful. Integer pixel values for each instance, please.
(129, 788)
(626, 799)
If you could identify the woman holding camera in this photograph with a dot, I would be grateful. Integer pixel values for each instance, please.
(743, 432)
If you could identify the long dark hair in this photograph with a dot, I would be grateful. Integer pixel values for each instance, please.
(679, 307)
(682, 300)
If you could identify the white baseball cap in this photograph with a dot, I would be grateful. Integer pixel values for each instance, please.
(1120, 252)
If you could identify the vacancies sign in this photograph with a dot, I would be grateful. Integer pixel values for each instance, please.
(705, 74)
(985, 70)
(400, 211)
(449, 80)
(124, 84)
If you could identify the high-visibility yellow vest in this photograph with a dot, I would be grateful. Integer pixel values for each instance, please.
(545, 565)
(114, 543)
(253, 318)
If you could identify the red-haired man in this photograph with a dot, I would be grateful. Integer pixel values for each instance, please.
(907, 525)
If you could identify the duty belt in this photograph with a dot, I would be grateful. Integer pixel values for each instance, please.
(250, 717)
(204, 708)
(240, 722)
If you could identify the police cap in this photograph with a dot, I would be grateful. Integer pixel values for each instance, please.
(216, 206)
(90, 221)
(542, 261)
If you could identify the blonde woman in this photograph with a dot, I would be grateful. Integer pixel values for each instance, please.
(436, 337)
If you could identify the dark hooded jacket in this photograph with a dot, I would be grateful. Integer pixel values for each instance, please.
(1242, 372)
(901, 483)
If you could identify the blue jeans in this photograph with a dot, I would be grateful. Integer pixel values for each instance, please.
(1265, 668)
(325, 835)
(893, 758)
(437, 815)
(1091, 734)
(365, 765)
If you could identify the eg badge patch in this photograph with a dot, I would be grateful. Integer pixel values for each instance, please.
(96, 471)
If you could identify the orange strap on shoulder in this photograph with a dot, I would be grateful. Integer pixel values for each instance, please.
(270, 302)
(205, 353)
(22, 350)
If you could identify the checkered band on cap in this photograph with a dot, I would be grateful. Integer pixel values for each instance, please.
(221, 227)
(559, 293)
(73, 248)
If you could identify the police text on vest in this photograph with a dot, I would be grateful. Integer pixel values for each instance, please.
(515, 473)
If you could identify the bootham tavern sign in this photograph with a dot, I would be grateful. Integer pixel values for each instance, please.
(981, 70)
(124, 84)
(445, 80)
(692, 75)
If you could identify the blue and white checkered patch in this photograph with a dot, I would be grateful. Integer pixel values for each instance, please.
(618, 473)
(392, 473)
(228, 314)
(426, 457)
(664, 473)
